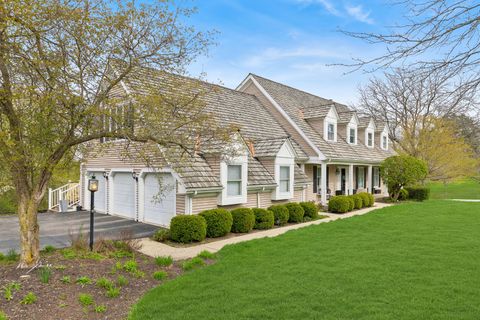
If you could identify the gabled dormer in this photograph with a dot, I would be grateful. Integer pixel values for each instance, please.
(348, 123)
(381, 136)
(367, 131)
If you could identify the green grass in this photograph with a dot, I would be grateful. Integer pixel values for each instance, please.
(410, 261)
(464, 189)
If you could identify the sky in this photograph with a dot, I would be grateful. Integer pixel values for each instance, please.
(291, 41)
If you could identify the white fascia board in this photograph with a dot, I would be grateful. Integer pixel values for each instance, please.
(282, 112)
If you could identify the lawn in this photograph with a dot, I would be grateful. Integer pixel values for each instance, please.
(464, 189)
(411, 261)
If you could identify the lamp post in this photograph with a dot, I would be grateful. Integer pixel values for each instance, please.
(92, 187)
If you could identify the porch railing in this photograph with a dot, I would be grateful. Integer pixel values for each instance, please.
(69, 192)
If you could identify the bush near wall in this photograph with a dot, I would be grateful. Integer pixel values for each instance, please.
(403, 195)
(243, 220)
(358, 200)
(310, 209)
(188, 228)
(295, 212)
(219, 222)
(351, 203)
(366, 199)
(339, 204)
(372, 199)
(264, 219)
(280, 213)
(418, 193)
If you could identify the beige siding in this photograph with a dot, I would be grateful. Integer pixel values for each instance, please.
(309, 195)
(332, 178)
(204, 203)
(180, 204)
(297, 196)
(252, 89)
(361, 136)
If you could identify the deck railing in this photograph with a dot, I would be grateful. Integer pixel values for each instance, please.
(69, 192)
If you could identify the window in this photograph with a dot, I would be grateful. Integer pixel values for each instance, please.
(370, 139)
(331, 132)
(384, 142)
(352, 136)
(361, 177)
(284, 179)
(319, 179)
(376, 177)
(119, 120)
(234, 180)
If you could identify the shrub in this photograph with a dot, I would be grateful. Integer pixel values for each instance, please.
(418, 193)
(188, 228)
(243, 220)
(159, 275)
(100, 309)
(161, 235)
(264, 219)
(83, 281)
(130, 266)
(280, 213)
(85, 299)
(12, 255)
(29, 298)
(339, 204)
(69, 254)
(295, 212)
(122, 281)
(207, 255)
(113, 292)
(163, 261)
(2, 256)
(310, 209)
(358, 200)
(365, 199)
(351, 203)
(193, 263)
(104, 283)
(49, 249)
(45, 273)
(372, 199)
(219, 222)
(403, 195)
(3, 316)
(66, 279)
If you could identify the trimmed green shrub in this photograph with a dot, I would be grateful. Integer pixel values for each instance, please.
(188, 228)
(403, 195)
(418, 193)
(295, 212)
(161, 235)
(358, 200)
(280, 213)
(365, 198)
(310, 209)
(264, 219)
(339, 204)
(219, 222)
(372, 199)
(243, 220)
(351, 202)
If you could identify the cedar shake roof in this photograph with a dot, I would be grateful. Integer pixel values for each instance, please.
(363, 122)
(316, 112)
(294, 102)
(345, 117)
(258, 175)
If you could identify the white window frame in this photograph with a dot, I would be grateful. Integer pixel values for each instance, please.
(361, 173)
(236, 181)
(284, 158)
(280, 180)
(334, 132)
(384, 138)
(367, 133)
(376, 177)
(349, 134)
(224, 198)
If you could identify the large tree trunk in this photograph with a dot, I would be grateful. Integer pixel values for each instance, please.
(29, 231)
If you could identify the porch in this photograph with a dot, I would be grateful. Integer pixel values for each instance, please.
(331, 179)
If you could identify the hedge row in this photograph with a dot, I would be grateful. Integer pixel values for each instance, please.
(342, 204)
(218, 222)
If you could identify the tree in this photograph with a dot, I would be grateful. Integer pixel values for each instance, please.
(61, 63)
(400, 171)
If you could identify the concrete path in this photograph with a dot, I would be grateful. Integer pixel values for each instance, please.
(155, 249)
(55, 228)
(466, 200)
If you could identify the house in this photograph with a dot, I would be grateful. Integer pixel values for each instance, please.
(291, 146)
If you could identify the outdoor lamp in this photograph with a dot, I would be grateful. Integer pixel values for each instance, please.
(105, 175)
(135, 175)
(93, 184)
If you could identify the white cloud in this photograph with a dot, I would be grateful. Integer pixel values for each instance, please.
(359, 14)
(325, 3)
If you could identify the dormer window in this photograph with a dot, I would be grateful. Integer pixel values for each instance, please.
(284, 178)
(352, 136)
(331, 132)
(234, 180)
(384, 142)
(370, 139)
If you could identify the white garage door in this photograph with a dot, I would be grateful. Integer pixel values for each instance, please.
(123, 195)
(99, 195)
(159, 201)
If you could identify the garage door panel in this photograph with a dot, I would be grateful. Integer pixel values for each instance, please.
(124, 195)
(159, 198)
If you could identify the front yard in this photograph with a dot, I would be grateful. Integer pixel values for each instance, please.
(463, 189)
(411, 261)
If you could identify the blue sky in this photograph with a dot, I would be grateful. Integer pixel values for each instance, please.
(290, 41)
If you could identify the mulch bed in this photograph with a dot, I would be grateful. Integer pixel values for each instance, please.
(59, 300)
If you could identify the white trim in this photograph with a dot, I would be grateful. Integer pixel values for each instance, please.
(283, 113)
(223, 197)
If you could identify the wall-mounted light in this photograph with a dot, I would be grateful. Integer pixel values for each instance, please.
(105, 175)
(135, 175)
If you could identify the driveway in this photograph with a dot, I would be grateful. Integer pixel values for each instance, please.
(56, 228)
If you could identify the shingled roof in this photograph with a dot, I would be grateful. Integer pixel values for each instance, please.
(294, 102)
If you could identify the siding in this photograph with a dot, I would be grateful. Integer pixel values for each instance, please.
(180, 203)
(252, 89)
(204, 203)
(297, 196)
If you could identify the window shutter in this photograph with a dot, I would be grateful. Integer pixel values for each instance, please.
(327, 177)
(366, 184)
(356, 177)
(315, 189)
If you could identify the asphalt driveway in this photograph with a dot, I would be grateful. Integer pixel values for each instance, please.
(56, 228)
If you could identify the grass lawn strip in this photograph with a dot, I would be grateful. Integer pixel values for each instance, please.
(411, 261)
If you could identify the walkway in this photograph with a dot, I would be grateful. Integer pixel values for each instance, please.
(155, 249)
(466, 200)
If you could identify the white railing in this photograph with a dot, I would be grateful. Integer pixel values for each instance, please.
(69, 192)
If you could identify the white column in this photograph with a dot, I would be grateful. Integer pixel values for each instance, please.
(350, 179)
(369, 183)
(323, 184)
